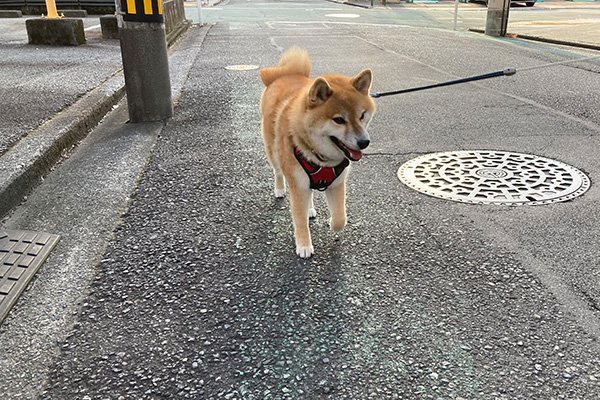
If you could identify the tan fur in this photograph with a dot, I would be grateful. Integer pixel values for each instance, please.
(295, 61)
(302, 112)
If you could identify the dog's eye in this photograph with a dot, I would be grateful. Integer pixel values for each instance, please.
(362, 116)
(339, 120)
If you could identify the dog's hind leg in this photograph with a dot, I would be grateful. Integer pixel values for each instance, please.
(279, 183)
(311, 207)
(268, 137)
(336, 201)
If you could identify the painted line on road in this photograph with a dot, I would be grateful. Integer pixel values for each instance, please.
(343, 15)
(270, 23)
(297, 25)
(92, 27)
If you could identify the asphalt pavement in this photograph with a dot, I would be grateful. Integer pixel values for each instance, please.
(37, 82)
(555, 20)
(185, 284)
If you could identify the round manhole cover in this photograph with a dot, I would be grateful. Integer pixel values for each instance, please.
(241, 67)
(493, 177)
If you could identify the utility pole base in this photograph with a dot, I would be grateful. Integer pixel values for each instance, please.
(146, 70)
(497, 17)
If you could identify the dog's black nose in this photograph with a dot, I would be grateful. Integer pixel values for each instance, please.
(363, 144)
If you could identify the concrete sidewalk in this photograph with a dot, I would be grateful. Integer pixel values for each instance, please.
(58, 94)
(82, 200)
(55, 96)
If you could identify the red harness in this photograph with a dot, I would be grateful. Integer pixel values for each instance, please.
(320, 177)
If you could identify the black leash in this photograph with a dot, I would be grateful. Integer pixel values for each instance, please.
(505, 72)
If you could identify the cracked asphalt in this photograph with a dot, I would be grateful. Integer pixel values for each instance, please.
(200, 294)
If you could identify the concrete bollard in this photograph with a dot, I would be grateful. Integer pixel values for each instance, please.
(497, 17)
(109, 27)
(11, 14)
(55, 31)
(145, 60)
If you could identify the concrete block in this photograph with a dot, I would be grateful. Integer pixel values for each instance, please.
(110, 29)
(55, 31)
(11, 14)
(73, 13)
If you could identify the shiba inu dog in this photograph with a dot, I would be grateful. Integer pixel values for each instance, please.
(311, 129)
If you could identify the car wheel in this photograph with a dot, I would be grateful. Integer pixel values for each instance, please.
(529, 3)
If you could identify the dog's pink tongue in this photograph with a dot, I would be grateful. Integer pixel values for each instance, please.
(355, 155)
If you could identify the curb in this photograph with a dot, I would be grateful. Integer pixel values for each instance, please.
(25, 163)
(347, 3)
(32, 157)
(545, 40)
(175, 34)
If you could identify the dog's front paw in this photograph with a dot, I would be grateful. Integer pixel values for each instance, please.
(312, 213)
(279, 193)
(304, 252)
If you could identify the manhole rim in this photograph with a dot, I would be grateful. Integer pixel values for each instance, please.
(584, 179)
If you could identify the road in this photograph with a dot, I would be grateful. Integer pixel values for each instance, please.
(200, 294)
(568, 20)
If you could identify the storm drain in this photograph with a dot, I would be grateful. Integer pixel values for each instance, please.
(21, 256)
(493, 177)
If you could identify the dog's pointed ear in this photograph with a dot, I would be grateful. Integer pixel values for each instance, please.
(319, 92)
(362, 81)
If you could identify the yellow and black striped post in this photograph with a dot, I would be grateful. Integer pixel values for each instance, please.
(142, 10)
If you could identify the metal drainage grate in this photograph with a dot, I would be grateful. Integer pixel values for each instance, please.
(21, 256)
(493, 177)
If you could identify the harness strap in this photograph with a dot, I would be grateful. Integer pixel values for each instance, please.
(320, 177)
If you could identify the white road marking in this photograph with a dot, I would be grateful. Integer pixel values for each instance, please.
(342, 15)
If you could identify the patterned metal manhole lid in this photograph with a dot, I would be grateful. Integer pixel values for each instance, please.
(22, 253)
(493, 177)
(241, 67)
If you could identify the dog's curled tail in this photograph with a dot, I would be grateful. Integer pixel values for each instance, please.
(295, 61)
